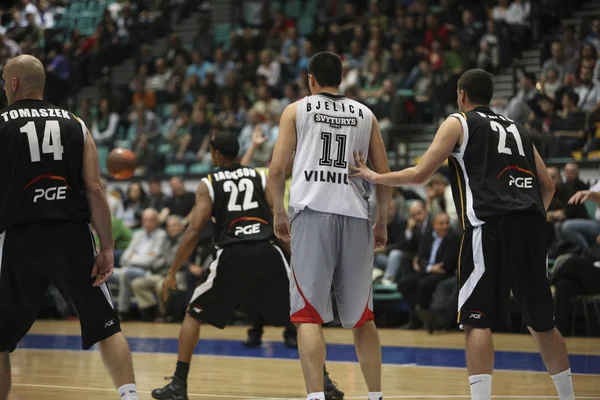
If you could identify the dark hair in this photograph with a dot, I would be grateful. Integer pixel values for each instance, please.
(478, 86)
(574, 97)
(326, 67)
(226, 143)
(128, 200)
(153, 179)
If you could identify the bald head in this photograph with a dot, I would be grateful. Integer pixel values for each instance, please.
(150, 220)
(24, 78)
(418, 211)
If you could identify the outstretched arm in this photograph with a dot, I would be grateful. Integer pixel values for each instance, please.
(449, 134)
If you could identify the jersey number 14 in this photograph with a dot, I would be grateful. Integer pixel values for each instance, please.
(50, 144)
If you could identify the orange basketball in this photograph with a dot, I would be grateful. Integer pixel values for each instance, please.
(121, 163)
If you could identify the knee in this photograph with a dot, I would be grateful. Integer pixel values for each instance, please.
(137, 284)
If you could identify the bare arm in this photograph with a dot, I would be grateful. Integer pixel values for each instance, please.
(284, 148)
(379, 161)
(201, 215)
(100, 211)
(449, 134)
(546, 184)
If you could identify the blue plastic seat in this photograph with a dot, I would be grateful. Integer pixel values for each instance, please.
(199, 169)
(175, 169)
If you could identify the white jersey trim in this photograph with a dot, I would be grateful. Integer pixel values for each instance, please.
(263, 178)
(463, 121)
(83, 127)
(208, 284)
(2, 236)
(479, 268)
(211, 191)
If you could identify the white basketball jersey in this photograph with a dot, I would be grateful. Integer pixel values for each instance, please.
(330, 129)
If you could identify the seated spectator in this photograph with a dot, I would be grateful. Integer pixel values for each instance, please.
(144, 253)
(520, 107)
(375, 17)
(588, 57)
(436, 56)
(594, 36)
(144, 124)
(179, 136)
(269, 68)
(571, 44)
(469, 37)
(400, 63)
(198, 67)
(290, 95)
(209, 87)
(266, 103)
(291, 40)
(261, 149)
(350, 78)
(588, 92)
(156, 199)
(395, 228)
(559, 62)
(222, 66)
(356, 56)
(245, 138)
(171, 120)
(489, 50)
(181, 202)
(572, 180)
(373, 83)
(148, 289)
(132, 206)
(568, 127)
(437, 259)
(400, 257)
(290, 66)
(200, 129)
(423, 89)
(160, 80)
(376, 53)
(435, 31)
(143, 96)
(226, 117)
(574, 276)
(551, 84)
(105, 124)
(175, 49)
(498, 12)
(439, 197)
(121, 236)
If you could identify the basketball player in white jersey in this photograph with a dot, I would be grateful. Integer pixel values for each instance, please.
(332, 237)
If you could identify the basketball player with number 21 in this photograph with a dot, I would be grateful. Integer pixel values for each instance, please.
(502, 189)
(332, 238)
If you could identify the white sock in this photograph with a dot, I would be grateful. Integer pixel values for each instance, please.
(481, 387)
(128, 392)
(316, 396)
(375, 396)
(564, 385)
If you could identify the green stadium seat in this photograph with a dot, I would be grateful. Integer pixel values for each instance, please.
(306, 25)
(311, 8)
(590, 206)
(164, 148)
(293, 8)
(250, 9)
(123, 143)
(102, 157)
(95, 7)
(76, 8)
(199, 169)
(175, 169)
(86, 26)
(276, 5)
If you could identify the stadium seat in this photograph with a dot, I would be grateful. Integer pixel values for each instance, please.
(199, 169)
(76, 8)
(306, 25)
(590, 206)
(311, 8)
(123, 143)
(102, 156)
(593, 155)
(164, 148)
(86, 26)
(222, 32)
(175, 169)
(293, 9)
(585, 301)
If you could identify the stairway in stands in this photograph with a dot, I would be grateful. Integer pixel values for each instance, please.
(503, 80)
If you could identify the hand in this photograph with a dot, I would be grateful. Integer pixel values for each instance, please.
(169, 283)
(416, 265)
(410, 224)
(257, 137)
(580, 197)
(380, 236)
(104, 266)
(437, 269)
(281, 226)
(560, 215)
(362, 171)
(195, 270)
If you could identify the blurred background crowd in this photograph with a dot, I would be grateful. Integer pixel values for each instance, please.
(160, 76)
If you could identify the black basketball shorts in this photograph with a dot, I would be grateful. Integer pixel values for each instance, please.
(36, 255)
(505, 254)
(255, 273)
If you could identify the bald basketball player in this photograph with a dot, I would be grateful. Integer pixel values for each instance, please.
(50, 190)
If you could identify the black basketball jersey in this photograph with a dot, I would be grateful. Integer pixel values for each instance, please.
(41, 156)
(493, 173)
(240, 210)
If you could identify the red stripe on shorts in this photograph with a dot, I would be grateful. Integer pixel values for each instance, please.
(367, 315)
(308, 313)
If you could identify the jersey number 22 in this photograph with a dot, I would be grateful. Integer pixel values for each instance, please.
(50, 144)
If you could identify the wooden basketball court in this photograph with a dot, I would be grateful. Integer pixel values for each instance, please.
(51, 365)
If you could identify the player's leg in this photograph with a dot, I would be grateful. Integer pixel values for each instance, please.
(353, 287)
(213, 302)
(532, 291)
(5, 377)
(314, 256)
(478, 300)
(99, 321)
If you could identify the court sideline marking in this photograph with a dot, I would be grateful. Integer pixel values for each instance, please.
(92, 389)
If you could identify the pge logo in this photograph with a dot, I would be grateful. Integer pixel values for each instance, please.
(521, 182)
(247, 230)
(475, 314)
(50, 194)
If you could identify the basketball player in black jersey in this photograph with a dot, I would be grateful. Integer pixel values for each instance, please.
(249, 266)
(50, 189)
(502, 190)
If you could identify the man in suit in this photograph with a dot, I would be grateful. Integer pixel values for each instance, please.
(436, 260)
(145, 253)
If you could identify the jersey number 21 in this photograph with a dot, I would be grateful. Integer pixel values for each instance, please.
(502, 138)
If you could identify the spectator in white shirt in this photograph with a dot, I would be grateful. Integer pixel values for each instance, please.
(30, 8)
(550, 83)
(588, 92)
(518, 13)
(269, 68)
(499, 12)
(144, 254)
(105, 124)
(160, 80)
